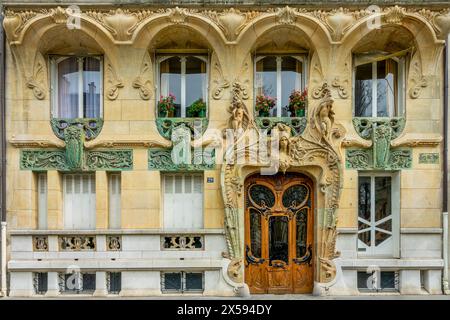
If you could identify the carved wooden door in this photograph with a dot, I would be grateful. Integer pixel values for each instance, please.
(279, 234)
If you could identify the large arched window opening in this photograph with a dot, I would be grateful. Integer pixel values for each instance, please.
(76, 86)
(183, 81)
(277, 79)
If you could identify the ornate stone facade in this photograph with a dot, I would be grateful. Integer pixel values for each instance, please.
(329, 145)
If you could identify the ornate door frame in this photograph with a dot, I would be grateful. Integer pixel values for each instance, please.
(294, 272)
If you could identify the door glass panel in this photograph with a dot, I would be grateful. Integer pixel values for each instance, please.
(278, 238)
(195, 80)
(170, 70)
(382, 197)
(91, 87)
(294, 196)
(266, 78)
(262, 196)
(291, 70)
(255, 233)
(301, 219)
(364, 198)
(68, 91)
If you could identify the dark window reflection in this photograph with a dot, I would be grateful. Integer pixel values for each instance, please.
(278, 238)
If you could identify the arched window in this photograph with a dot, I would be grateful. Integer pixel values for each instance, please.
(276, 78)
(182, 82)
(77, 86)
(379, 85)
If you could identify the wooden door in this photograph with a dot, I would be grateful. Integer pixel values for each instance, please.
(279, 234)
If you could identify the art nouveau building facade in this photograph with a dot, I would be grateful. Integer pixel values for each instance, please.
(122, 178)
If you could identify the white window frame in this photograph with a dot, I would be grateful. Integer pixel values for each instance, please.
(54, 61)
(183, 58)
(163, 184)
(401, 85)
(42, 194)
(373, 251)
(302, 82)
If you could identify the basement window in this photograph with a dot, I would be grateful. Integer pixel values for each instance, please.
(180, 282)
(40, 282)
(378, 281)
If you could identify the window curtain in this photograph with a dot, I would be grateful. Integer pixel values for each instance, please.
(68, 90)
(164, 72)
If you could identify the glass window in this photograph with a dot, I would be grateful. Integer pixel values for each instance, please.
(182, 281)
(114, 282)
(378, 281)
(185, 78)
(183, 201)
(375, 215)
(40, 282)
(75, 283)
(42, 200)
(378, 88)
(278, 77)
(79, 201)
(76, 87)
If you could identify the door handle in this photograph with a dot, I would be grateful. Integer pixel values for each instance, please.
(306, 259)
(250, 258)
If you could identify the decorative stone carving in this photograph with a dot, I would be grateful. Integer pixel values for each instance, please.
(43, 160)
(77, 243)
(161, 160)
(59, 15)
(337, 21)
(181, 141)
(220, 83)
(189, 242)
(394, 15)
(297, 125)
(143, 82)
(113, 243)
(113, 83)
(429, 158)
(74, 147)
(109, 160)
(177, 15)
(341, 87)
(15, 21)
(381, 156)
(91, 160)
(91, 127)
(231, 21)
(418, 81)
(286, 15)
(240, 118)
(197, 126)
(317, 146)
(40, 243)
(37, 82)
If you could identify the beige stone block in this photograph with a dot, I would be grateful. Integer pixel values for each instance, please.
(347, 218)
(214, 218)
(349, 198)
(137, 110)
(350, 179)
(24, 179)
(213, 199)
(140, 218)
(116, 128)
(420, 198)
(420, 218)
(112, 110)
(101, 199)
(141, 127)
(144, 180)
(23, 200)
(140, 159)
(421, 179)
(140, 199)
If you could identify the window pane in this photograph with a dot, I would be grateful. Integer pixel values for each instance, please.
(382, 197)
(194, 281)
(266, 78)
(195, 80)
(278, 239)
(91, 87)
(364, 198)
(172, 281)
(363, 90)
(291, 72)
(88, 281)
(170, 70)
(386, 88)
(68, 79)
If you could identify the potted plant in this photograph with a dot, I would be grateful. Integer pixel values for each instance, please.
(264, 104)
(166, 106)
(197, 109)
(297, 102)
